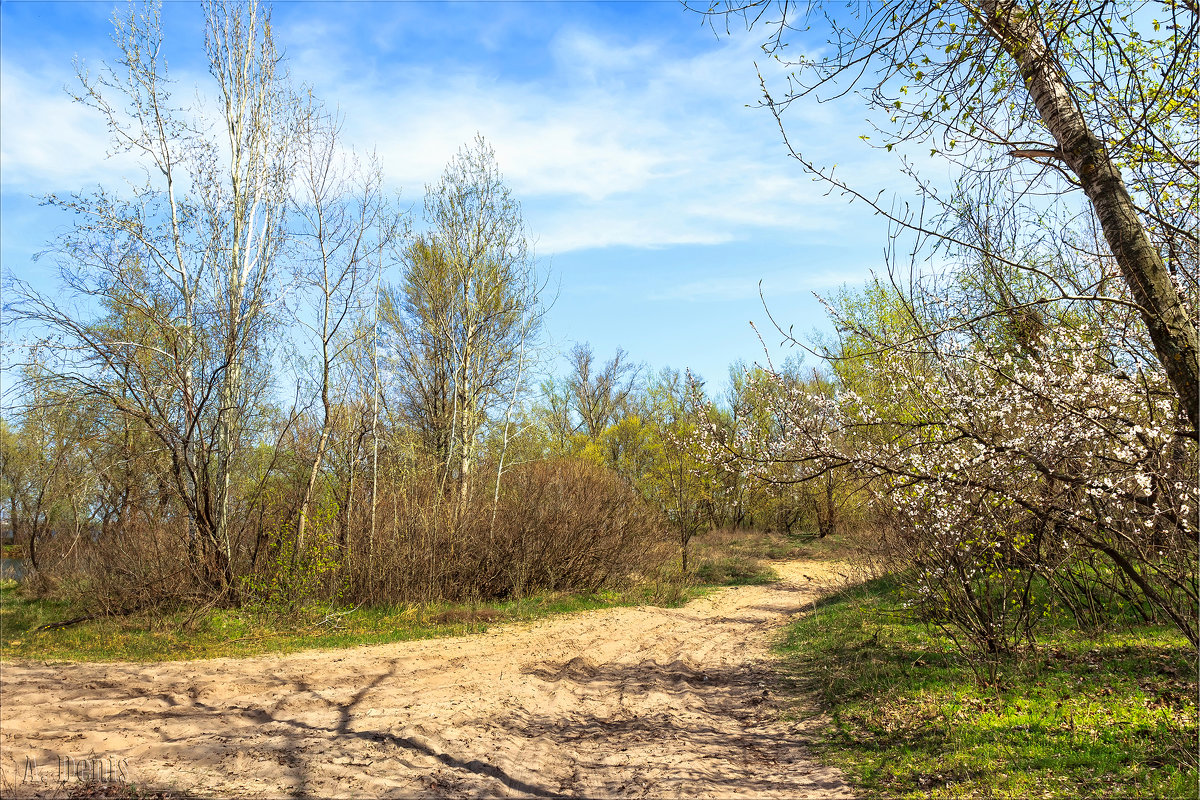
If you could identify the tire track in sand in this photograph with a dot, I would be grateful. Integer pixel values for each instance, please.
(628, 702)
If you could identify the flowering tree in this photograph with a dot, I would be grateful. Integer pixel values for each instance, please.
(1054, 454)
(1092, 105)
(1024, 408)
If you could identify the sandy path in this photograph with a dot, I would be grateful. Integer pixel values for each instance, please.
(615, 703)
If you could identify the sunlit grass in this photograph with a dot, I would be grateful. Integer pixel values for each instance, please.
(215, 632)
(1081, 715)
(738, 557)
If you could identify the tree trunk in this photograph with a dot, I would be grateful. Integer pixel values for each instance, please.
(1171, 329)
(310, 486)
(322, 440)
(827, 515)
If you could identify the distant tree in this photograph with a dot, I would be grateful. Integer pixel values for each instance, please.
(417, 319)
(45, 481)
(781, 482)
(555, 417)
(462, 321)
(595, 411)
(679, 479)
(599, 397)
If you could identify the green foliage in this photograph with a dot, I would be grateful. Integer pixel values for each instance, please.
(680, 480)
(737, 556)
(869, 320)
(740, 543)
(219, 633)
(292, 576)
(650, 439)
(735, 571)
(1106, 714)
(45, 475)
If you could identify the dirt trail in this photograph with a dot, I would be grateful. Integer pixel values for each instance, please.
(623, 702)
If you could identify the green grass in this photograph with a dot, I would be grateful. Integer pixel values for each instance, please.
(734, 571)
(721, 560)
(1082, 715)
(752, 544)
(736, 557)
(213, 633)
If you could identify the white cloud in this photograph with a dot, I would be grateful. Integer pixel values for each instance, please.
(624, 144)
(747, 282)
(49, 142)
(52, 143)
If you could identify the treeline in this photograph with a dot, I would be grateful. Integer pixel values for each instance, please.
(598, 478)
(151, 457)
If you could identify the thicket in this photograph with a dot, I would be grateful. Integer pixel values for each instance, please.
(97, 520)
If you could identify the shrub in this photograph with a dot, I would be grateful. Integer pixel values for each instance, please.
(570, 525)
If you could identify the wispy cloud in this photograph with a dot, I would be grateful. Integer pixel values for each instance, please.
(742, 283)
(49, 142)
(624, 142)
(615, 140)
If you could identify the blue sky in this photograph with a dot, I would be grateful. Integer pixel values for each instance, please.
(656, 198)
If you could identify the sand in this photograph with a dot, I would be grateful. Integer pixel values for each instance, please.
(628, 702)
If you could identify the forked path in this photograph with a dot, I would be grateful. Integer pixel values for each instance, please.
(625, 702)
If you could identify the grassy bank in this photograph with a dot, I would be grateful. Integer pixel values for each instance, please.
(213, 632)
(1104, 714)
(722, 558)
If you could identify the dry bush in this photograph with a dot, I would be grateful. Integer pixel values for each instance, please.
(562, 525)
(569, 525)
(142, 565)
(557, 526)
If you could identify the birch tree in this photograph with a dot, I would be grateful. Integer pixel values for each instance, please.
(170, 283)
(1064, 96)
(345, 224)
(464, 317)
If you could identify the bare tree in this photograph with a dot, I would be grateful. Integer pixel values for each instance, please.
(174, 280)
(600, 397)
(466, 311)
(346, 222)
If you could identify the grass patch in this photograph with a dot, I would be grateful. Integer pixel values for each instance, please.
(749, 544)
(738, 557)
(215, 633)
(1081, 715)
(734, 571)
(777, 546)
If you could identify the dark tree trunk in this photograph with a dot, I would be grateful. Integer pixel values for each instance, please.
(1171, 330)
